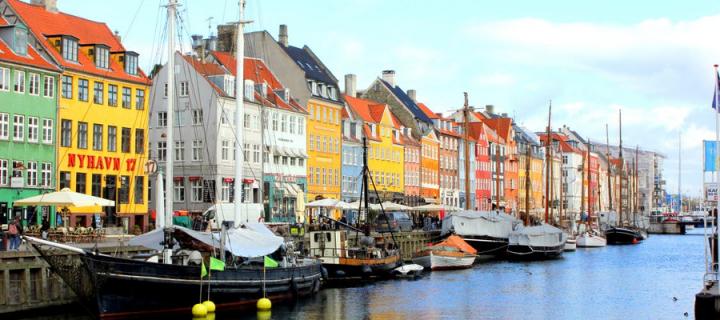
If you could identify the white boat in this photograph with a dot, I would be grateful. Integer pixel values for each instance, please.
(536, 242)
(590, 240)
(570, 244)
(452, 253)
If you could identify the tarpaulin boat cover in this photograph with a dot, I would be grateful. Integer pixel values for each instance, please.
(543, 235)
(242, 242)
(479, 223)
(456, 242)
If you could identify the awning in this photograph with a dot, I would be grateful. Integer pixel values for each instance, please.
(303, 154)
(290, 190)
(296, 187)
(280, 150)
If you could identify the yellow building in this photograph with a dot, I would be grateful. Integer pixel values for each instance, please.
(324, 147)
(386, 154)
(536, 172)
(102, 115)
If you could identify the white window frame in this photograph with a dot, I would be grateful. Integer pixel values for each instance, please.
(33, 124)
(47, 131)
(4, 126)
(18, 127)
(162, 151)
(196, 191)
(179, 150)
(46, 174)
(19, 83)
(179, 190)
(184, 89)
(32, 177)
(34, 85)
(197, 150)
(4, 172)
(49, 87)
(4, 79)
(197, 115)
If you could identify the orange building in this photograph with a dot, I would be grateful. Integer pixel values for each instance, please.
(430, 167)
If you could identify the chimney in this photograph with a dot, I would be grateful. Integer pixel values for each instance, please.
(389, 76)
(50, 5)
(490, 108)
(117, 36)
(283, 36)
(196, 41)
(350, 83)
(412, 94)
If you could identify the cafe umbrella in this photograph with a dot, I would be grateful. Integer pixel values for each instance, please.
(65, 198)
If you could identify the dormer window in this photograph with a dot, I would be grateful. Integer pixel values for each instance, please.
(313, 87)
(332, 92)
(102, 57)
(70, 48)
(20, 44)
(249, 90)
(131, 63)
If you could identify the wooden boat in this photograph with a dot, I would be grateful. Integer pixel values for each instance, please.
(622, 235)
(536, 243)
(570, 244)
(452, 253)
(589, 239)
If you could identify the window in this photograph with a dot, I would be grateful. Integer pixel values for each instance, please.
(301, 126)
(96, 185)
(18, 127)
(225, 194)
(161, 151)
(311, 142)
(256, 153)
(3, 172)
(4, 126)
(184, 89)
(80, 182)
(82, 135)
(34, 88)
(225, 150)
(196, 190)
(112, 95)
(102, 56)
(125, 140)
(197, 150)
(4, 79)
(83, 89)
(64, 179)
(179, 150)
(197, 116)
(246, 152)
(131, 63)
(33, 124)
(97, 137)
(46, 175)
(98, 90)
(126, 98)
(49, 87)
(66, 137)
(178, 121)
(139, 141)
(20, 81)
(139, 189)
(67, 87)
(246, 121)
(69, 49)
(32, 177)
(162, 119)
(283, 123)
(124, 191)
(292, 124)
(139, 99)
(112, 139)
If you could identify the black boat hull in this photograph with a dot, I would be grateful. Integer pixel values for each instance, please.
(120, 288)
(487, 247)
(618, 236)
(524, 252)
(344, 274)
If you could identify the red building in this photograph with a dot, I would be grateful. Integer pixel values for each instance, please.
(483, 174)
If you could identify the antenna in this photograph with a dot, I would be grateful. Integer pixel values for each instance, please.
(209, 21)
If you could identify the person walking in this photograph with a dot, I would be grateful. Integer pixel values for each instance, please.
(14, 231)
(45, 228)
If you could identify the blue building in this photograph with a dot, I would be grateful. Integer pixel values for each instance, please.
(352, 161)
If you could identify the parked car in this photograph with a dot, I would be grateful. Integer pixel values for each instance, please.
(398, 221)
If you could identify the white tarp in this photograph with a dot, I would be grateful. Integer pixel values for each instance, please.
(543, 235)
(242, 242)
(479, 223)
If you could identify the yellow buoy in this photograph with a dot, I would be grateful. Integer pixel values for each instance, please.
(210, 306)
(210, 316)
(264, 315)
(199, 310)
(264, 304)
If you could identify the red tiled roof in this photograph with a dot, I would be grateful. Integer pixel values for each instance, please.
(43, 23)
(204, 68)
(502, 126)
(344, 114)
(367, 110)
(427, 111)
(396, 121)
(377, 111)
(33, 58)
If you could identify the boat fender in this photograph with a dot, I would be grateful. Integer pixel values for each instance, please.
(324, 272)
(366, 269)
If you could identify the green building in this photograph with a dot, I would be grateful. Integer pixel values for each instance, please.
(28, 122)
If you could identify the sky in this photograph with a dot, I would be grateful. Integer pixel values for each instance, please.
(652, 59)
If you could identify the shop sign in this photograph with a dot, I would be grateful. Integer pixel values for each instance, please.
(99, 162)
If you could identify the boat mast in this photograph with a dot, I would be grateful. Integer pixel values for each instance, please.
(622, 171)
(582, 185)
(466, 114)
(528, 154)
(679, 170)
(547, 166)
(239, 112)
(607, 155)
(497, 173)
(637, 192)
(168, 243)
(589, 179)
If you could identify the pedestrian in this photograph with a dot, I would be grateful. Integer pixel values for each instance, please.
(45, 228)
(14, 231)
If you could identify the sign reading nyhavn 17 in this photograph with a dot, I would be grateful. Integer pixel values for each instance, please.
(99, 162)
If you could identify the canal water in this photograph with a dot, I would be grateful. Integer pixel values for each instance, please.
(656, 279)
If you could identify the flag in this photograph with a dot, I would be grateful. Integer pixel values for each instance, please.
(711, 158)
(203, 271)
(716, 93)
(270, 263)
(216, 264)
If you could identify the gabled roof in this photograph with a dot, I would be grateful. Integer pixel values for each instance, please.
(407, 101)
(502, 126)
(306, 61)
(368, 110)
(526, 135)
(427, 111)
(204, 68)
(32, 59)
(43, 23)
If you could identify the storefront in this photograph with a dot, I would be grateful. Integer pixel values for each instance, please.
(282, 192)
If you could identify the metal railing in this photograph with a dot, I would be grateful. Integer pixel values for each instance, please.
(351, 253)
(710, 239)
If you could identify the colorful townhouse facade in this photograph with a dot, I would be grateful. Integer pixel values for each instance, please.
(413, 169)
(430, 168)
(483, 177)
(102, 114)
(28, 95)
(352, 161)
(531, 170)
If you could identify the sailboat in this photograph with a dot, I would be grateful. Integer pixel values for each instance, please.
(539, 241)
(114, 287)
(486, 231)
(369, 258)
(590, 237)
(619, 233)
